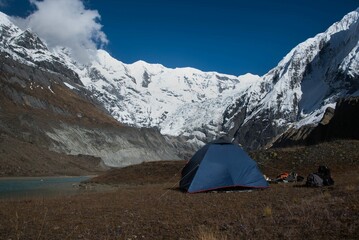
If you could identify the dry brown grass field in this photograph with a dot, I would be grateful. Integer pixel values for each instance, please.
(145, 204)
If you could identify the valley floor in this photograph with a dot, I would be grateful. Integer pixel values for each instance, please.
(146, 204)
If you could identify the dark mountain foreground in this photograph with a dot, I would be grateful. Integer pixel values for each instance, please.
(18, 158)
(338, 123)
(145, 204)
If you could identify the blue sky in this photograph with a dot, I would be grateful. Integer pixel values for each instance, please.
(227, 36)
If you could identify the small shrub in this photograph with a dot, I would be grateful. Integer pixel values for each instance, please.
(205, 233)
(326, 195)
(267, 211)
(350, 188)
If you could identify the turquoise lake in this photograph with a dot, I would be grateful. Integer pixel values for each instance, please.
(40, 186)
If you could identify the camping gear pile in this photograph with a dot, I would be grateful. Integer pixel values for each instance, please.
(286, 177)
(320, 178)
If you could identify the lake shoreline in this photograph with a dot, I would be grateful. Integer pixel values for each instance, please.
(28, 187)
(45, 177)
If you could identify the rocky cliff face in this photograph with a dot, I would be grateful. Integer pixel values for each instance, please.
(48, 110)
(341, 123)
(344, 123)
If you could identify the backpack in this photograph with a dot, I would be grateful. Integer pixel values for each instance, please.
(324, 173)
(313, 180)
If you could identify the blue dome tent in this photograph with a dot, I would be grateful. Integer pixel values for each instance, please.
(221, 164)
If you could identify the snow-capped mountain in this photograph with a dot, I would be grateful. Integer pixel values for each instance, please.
(202, 105)
(26, 47)
(177, 101)
(181, 101)
(47, 114)
(310, 78)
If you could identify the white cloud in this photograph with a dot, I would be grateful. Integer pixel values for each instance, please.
(67, 23)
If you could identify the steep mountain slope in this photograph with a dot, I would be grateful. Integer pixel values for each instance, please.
(45, 108)
(312, 77)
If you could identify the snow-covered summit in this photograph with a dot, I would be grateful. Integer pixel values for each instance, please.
(151, 95)
(5, 20)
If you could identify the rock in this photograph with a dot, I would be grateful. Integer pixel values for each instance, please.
(341, 123)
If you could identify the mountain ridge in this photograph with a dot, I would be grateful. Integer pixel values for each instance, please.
(45, 108)
(305, 82)
(201, 106)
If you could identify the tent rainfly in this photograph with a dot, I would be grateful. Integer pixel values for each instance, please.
(220, 165)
